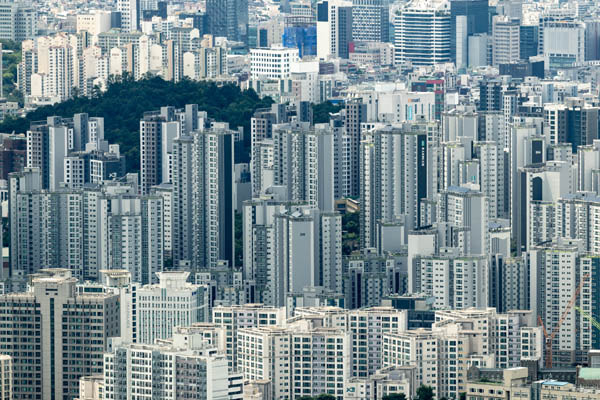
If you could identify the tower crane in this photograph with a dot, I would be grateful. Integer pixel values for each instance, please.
(588, 317)
(550, 336)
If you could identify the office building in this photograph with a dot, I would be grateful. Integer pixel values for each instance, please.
(301, 32)
(422, 33)
(334, 28)
(528, 41)
(228, 18)
(505, 40)
(476, 21)
(562, 43)
(272, 63)
(370, 21)
(19, 21)
(573, 121)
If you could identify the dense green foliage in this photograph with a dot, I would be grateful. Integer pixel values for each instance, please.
(395, 396)
(321, 111)
(323, 396)
(125, 100)
(11, 57)
(350, 232)
(239, 239)
(424, 393)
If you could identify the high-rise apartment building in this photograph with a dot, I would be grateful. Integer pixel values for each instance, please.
(84, 229)
(202, 208)
(234, 318)
(131, 14)
(172, 302)
(312, 162)
(396, 175)
(50, 320)
(212, 198)
(298, 362)
(157, 132)
(6, 374)
(566, 266)
(177, 371)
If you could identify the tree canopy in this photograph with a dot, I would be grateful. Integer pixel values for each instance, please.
(323, 396)
(321, 111)
(125, 100)
(425, 393)
(395, 396)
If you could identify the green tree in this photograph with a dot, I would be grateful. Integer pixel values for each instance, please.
(125, 101)
(350, 232)
(395, 396)
(424, 393)
(462, 396)
(325, 396)
(321, 111)
(239, 239)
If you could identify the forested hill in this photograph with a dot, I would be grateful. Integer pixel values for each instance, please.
(124, 102)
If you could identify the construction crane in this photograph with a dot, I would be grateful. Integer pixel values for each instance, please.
(588, 317)
(550, 336)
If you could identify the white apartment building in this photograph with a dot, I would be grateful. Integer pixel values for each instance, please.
(385, 381)
(396, 173)
(6, 377)
(170, 303)
(367, 325)
(417, 348)
(131, 14)
(458, 340)
(299, 362)
(272, 63)
(557, 270)
(54, 368)
(233, 318)
(466, 211)
(137, 371)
